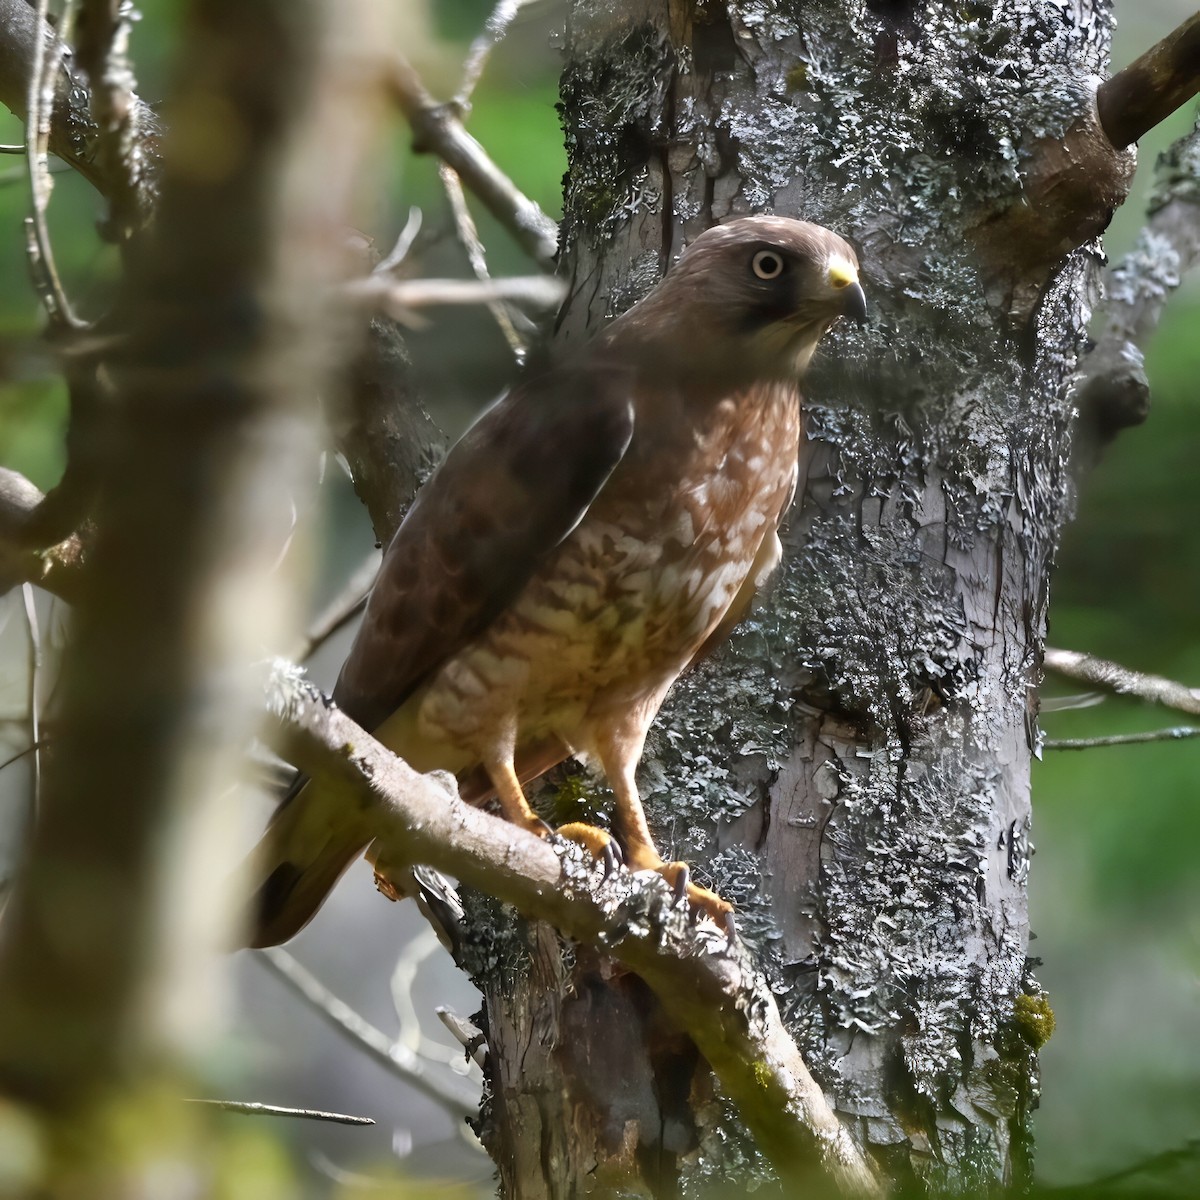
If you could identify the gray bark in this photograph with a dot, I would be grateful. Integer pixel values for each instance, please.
(854, 770)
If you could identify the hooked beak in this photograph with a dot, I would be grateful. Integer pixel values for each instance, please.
(854, 302)
(843, 279)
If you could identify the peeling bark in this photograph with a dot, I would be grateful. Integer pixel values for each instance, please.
(854, 770)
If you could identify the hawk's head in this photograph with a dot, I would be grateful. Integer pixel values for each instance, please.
(751, 297)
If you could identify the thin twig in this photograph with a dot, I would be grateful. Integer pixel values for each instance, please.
(40, 105)
(341, 609)
(468, 235)
(494, 29)
(404, 243)
(1112, 677)
(402, 986)
(396, 1058)
(12, 149)
(706, 980)
(437, 129)
(34, 696)
(20, 754)
(251, 1108)
(1152, 87)
(1178, 734)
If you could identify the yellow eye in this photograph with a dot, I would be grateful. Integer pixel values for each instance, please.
(767, 264)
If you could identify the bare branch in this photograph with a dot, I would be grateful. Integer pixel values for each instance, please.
(381, 428)
(706, 982)
(1152, 87)
(397, 1058)
(437, 129)
(1112, 677)
(1113, 391)
(250, 1108)
(400, 298)
(1178, 734)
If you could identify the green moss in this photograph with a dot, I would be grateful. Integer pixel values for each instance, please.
(574, 800)
(762, 1075)
(1033, 1019)
(797, 77)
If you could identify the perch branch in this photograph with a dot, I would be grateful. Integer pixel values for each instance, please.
(707, 984)
(397, 1058)
(1178, 734)
(250, 1108)
(437, 129)
(1112, 677)
(1152, 87)
(1113, 392)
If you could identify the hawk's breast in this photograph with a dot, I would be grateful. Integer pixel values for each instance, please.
(625, 601)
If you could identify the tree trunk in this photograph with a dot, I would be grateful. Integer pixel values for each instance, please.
(853, 771)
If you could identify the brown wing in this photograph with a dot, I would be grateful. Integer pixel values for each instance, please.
(510, 490)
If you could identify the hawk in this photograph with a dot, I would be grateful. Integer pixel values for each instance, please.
(599, 529)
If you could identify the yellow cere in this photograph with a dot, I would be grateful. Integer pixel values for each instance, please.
(841, 273)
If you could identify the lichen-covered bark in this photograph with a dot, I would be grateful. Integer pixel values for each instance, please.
(854, 770)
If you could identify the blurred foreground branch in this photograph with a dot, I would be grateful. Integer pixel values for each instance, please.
(198, 470)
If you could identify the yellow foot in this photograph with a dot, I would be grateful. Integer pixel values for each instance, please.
(701, 900)
(603, 845)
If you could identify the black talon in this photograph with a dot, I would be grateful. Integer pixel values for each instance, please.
(681, 884)
(546, 827)
(693, 915)
(617, 852)
(730, 928)
(610, 861)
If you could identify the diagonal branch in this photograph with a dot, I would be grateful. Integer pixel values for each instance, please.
(707, 984)
(1152, 87)
(437, 129)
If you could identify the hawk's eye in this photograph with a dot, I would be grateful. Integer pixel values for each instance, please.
(767, 264)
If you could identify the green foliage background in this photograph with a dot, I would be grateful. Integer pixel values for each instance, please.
(1115, 888)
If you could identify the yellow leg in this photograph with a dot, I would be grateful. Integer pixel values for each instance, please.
(641, 854)
(509, 792)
